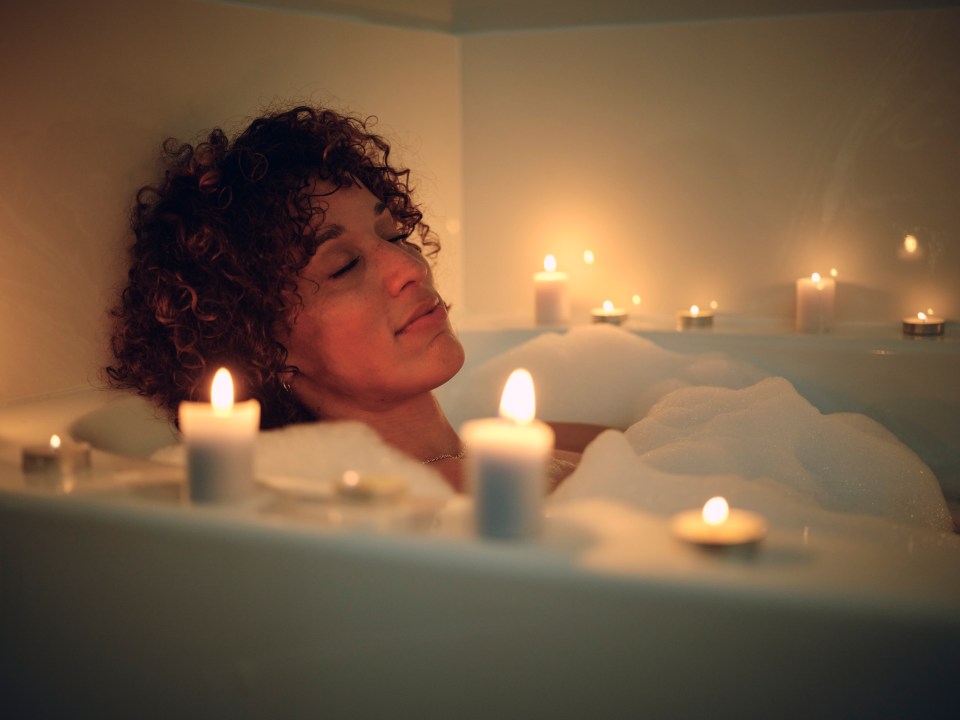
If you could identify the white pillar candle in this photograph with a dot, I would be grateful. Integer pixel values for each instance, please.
(609, 314)
(220, 437)
(815, 303)
(507, 464)
(550, 294)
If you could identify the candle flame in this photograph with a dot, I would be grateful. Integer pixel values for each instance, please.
(518, 401)
(716, 511)
(910, 244)
(550, 263)
(607, 305)
(588, 257)
(54, 441)
(921, 316)
(221, 392)
(636, 300)
(815, 277)
(833, 272)
(694, 310)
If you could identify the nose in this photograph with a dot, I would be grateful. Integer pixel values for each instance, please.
(401, 267)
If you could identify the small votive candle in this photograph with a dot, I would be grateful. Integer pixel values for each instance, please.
(552, 306)
(923, 325)
(220, 437)
(716, 525)
(816, 297)
(608, 314)
(507, 464)
(56, 457)
(695, 318)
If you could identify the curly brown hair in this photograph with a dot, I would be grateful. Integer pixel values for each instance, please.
(219, 246)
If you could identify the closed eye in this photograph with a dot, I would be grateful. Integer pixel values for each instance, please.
(346, 268)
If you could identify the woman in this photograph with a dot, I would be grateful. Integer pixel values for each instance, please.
(296, 256)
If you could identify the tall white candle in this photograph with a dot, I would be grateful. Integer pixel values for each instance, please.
(507, 463)
(815, 303)
(220, 438)
(550, 294)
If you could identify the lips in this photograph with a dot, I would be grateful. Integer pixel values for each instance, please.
(421, 312)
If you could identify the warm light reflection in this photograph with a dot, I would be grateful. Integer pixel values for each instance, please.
(550, 263)
(518, 402)
(714, 304)
(694, 310)
(351, 478)
(636, 299)
(54, 441)
(588, 257)
(910, 244)
(716, 511)
(221, 393)
(607, 305)
(833, 272)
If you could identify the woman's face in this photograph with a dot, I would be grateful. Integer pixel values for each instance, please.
(372, 331)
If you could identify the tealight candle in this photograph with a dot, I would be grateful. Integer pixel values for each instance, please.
(507, 463)
(923, 324)
(815, 303)
(220, 438)
(716, 525)
(56, 457)
(695, 318)
(550, 293)
(609, 314)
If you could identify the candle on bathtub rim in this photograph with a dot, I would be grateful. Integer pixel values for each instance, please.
(608, 314)
(507, 464)
(695, 318)
(923, 325)
(56, 457)
(552, 306)
(220, 437)
(816, 297)
(717, 525)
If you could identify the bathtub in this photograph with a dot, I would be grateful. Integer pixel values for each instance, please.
(123, 601)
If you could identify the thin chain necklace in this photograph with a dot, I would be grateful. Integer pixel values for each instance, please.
(447, 456)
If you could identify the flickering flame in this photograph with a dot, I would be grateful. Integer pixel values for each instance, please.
(910, 244)
(921, 316)
(588, 257)
(636, 299)
(54, 441)
(221, 393)
(694, 310)
(833, 272)
(607, 305)
(716, 511)
(518, 402)
(550, 263)
(815, 277)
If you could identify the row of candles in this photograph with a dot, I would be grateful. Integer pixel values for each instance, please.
(507, 466)
(815, 306)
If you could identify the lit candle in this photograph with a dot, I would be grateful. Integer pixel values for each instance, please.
(923, 324)
(695, 318)
(716, 525)
(507, 462)
(550, 293)
(815, 303)
(220, 438)
(56, 457)
(608, 314)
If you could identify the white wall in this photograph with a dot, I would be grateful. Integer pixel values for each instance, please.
(89, 91)
(717, 161)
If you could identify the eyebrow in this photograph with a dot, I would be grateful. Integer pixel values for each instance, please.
(334, 231)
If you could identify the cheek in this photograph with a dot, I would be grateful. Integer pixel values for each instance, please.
(337, 339)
